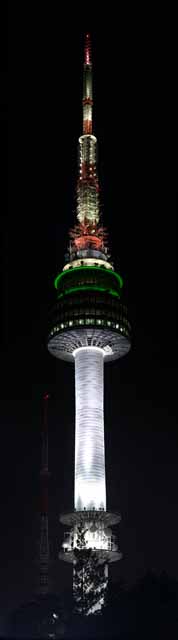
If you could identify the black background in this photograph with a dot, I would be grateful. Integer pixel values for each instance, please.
(134, 84)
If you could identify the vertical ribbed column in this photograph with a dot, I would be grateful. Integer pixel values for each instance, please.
(90, 484)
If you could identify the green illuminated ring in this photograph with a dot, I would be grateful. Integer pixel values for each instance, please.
(63, 273)
(89, 288)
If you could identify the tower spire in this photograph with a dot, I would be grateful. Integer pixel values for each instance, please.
(44, 475)
(87, 87)
(87, 238)
(87, 49)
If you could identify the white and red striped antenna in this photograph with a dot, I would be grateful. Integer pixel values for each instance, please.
(87, 87)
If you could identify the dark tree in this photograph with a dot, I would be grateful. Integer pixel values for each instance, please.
(89, 584)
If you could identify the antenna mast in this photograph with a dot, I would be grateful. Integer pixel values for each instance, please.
(44, 476)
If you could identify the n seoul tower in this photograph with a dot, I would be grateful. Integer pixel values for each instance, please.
(89, 326)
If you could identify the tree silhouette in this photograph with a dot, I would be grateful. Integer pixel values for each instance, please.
(89, 583)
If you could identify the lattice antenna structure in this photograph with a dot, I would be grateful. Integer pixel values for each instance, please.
(44, 481)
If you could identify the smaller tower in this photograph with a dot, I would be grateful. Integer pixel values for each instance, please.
(44, 477)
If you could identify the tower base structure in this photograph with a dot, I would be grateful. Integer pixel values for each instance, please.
(98, 534)
(90, 522)
(99, 539)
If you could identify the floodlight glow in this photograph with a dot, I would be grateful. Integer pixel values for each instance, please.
(90, 487)
(96, 539)
(89, 262)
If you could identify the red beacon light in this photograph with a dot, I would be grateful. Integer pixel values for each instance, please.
(46, 396)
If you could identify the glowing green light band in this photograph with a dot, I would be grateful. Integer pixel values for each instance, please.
(64, 273)
(89, 288)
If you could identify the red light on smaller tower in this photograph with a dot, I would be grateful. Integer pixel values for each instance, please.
(46, 396)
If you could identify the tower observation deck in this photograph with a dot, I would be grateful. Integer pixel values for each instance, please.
(89, 326)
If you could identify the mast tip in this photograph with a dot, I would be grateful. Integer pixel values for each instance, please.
(87, 49)
(46, 396)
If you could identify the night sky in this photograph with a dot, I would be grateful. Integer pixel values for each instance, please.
(134, 131)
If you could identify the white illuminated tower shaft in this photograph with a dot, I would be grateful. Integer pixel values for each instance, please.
(90, 485)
